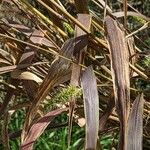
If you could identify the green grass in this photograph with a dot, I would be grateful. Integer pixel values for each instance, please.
(54, 139)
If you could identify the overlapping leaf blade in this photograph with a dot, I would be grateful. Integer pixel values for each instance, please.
(135, 124)
(91, 108)
(120, 75)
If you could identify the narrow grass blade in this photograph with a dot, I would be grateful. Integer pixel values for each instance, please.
(135, 125)
(5, 136)
(11, 68)
(43, 17)
(125, 7)
(120, 75)
(55, 16)
(85, 19)
(91, 107)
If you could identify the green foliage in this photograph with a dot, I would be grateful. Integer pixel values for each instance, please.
(68, 29)
(139, 20)
(51, 139)
(16, 124)
(146, 61)
(108, 140)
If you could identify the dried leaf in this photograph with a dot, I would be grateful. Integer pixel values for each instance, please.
(37, 37)
(120, 75)
(135, 125)
(7, 69)
(4, 61)
(91, 106)
(25, 75)
(125, 8)
(23, 29)
(85, 19)
(47, 43)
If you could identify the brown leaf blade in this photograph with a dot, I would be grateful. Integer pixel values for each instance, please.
(85, 19)
(120, 75)
(135, 124)
(38, 128)
(91, 107)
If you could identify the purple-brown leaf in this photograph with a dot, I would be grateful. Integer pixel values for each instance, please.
(135, 125)
(91, 107)
(120, 75)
